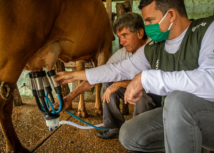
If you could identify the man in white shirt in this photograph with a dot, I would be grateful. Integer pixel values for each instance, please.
(179, 66)
(130, 30)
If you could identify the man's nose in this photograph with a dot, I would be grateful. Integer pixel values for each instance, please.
(122, 41)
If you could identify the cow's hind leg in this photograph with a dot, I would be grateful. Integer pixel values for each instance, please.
(6, 106)
(12, 142)
(80, 65)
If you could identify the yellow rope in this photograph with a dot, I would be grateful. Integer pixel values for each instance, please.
(5, 91)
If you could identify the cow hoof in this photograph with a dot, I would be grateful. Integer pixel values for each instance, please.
(23, 151)
(27, 151)
(125, 110)
(98, 111)
(82, 113)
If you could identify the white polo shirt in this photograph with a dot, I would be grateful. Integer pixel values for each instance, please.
(119, 55)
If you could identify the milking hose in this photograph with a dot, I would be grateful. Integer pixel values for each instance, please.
(54, 111)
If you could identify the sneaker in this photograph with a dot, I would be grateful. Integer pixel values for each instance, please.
(111, 133)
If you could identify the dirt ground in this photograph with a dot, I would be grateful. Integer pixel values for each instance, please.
(31, 129)
(33, 133)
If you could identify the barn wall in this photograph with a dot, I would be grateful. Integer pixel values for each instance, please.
(195, 9)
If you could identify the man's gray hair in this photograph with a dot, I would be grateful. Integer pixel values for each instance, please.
(132, 21)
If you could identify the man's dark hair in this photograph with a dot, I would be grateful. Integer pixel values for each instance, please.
(165, 5)
(132, 21)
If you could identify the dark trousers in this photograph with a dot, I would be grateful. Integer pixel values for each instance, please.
(113, 118)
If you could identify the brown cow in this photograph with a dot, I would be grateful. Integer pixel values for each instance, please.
(35, 33)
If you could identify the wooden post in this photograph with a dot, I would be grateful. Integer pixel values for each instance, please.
(59, 67)
(131, 4)
(123, 8)
(109, 10)
(17, 101)
(128, 6)
(120, 11)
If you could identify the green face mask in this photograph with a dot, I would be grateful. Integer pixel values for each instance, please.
(153, 31)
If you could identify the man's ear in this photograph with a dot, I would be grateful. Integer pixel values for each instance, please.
(173, 15)
(140, 33)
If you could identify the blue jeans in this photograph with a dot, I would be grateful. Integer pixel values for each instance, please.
(183, 125)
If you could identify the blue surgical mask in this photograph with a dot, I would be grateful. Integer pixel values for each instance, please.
(153, 31)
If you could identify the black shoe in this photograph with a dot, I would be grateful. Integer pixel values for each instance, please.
(111, 133)
(130, 151)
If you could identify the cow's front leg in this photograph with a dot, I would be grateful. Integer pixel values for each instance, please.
(81, 106)
(80, 65)
(12, 142)
(98, 104)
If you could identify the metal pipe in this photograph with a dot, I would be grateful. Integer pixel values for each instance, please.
(57, 87)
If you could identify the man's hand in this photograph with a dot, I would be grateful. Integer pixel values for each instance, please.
(67, 77)
(110, 90)
(84, 86)
(67, 102)
(134, 90)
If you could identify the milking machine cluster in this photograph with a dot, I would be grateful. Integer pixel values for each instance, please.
(40, 85)
(42, 91)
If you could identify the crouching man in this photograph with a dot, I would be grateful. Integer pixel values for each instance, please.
(131, 32)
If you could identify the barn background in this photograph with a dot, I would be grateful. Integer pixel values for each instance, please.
(29, 123)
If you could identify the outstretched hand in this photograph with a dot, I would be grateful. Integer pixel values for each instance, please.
(134, 90)
(64, 77)
(67, 102)
(67, 77)
(110, 90)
